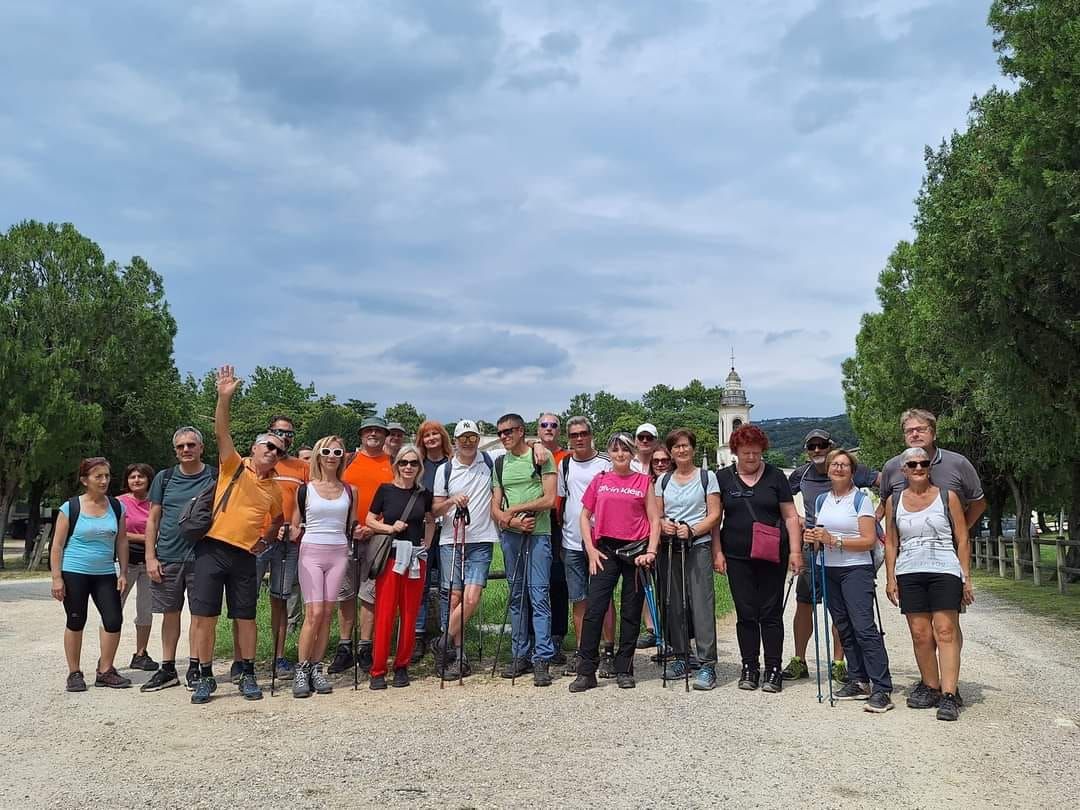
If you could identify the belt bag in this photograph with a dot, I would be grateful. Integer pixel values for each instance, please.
(631, 551)
(764, 540)
(377, 550)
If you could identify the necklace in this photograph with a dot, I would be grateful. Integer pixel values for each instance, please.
(837, 498)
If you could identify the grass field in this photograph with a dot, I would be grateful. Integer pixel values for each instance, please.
(1043, 600)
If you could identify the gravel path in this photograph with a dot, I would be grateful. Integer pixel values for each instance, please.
(487, 744)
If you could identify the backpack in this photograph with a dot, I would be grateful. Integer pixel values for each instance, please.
(446, 468)
(169, 474)
(566, 465)
(877, 551)
(198, 514)
(75, 507)
(498, 468)
(943, 496)
(704, 484)
(350, 521)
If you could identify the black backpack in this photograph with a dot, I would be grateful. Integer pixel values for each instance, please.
(501, 460)
(75, 507)
(704, 484)
(198, 514)
(483, 454)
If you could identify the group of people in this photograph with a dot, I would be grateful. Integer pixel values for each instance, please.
(367, 533)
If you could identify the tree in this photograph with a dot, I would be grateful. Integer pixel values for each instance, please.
(406, 414)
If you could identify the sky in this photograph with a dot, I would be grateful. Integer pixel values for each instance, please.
(482, 207)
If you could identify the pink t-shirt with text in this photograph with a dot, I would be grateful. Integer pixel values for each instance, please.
(136, 513)
(618, 505)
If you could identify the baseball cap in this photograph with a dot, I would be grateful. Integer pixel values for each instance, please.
(465, 426)
(373, 422)
(395, 426)
(818, 433)
(647, 427)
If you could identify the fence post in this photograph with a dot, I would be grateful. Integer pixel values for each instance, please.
(1001, 557)
(1018, 570)
(1059, 547)
(1036, 561)
(978, 552)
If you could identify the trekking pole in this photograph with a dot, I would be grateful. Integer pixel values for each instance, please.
(466, 519)
(787, 595)
(356, 616)
(273, 627)
(813, 599)
(649, 584)
(683, 547)
(449, 616)
(667, 601)
(524, 598)
(877, 606)
(825, 614)
(506, 612)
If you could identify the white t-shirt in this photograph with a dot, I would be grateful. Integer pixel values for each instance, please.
(926, 540)
(475, 481)
(580, 474)
(840, 519)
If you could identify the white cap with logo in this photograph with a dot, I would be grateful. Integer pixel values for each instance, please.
(465, 426)
(649, 428)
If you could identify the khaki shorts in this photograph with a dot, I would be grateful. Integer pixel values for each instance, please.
(348, 586)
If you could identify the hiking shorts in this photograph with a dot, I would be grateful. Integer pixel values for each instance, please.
(348, 584)
(167, 596)
(927, 593)
(282, 559)
(478, 557)
(576, 566)
(804, 593)
(219, 566)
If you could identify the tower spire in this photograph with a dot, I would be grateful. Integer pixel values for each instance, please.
(732, 358)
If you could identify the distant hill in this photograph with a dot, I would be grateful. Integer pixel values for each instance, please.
(786, 435)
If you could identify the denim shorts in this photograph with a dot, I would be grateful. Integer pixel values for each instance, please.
(576, 565)
(478, 558)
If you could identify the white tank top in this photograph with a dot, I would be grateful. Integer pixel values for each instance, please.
(926, 541)
(325, 520)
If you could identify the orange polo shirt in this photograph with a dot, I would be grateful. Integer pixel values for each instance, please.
(366, 473)
(253, 500)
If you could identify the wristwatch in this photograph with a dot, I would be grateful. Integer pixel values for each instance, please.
(840, 543)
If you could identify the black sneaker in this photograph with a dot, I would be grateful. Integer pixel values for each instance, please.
(795, 670)
(162, 679)
(191, 680)
(879, 703)
(343, 660)
(236, 672)
(774, 680)
(364, 658)
(377, 682)
(607, 664)
(76, 682)
(959, 700)
(144, 662)
(249, 687)
(625, 680)
(401, 677)
(749, 678)
(541, 674)
(516, 668)
(853, 690)
(646, 640)
(112, 679)
(457, 669)
(583, 683)
(948, 709)
(559, 658)
(203, 689)
(923, 697)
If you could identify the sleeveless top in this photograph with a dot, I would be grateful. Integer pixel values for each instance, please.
(325, 520)
(926, 541)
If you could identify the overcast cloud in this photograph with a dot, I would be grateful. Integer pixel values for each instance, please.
(483, 207)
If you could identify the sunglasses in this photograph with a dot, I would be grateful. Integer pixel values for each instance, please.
(187, 446)
(911, 465)
(409, 463)
(582, 434)
(817, 446)
(336, 452)
(662, 460)
(646, 437)
(468, 438)
(552, 425)
(271, 446)
(502, 434)
(281, 433)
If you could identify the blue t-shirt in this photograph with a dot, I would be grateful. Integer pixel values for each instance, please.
(92, 545)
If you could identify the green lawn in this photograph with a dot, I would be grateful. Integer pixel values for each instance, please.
(15, 568)
(1043, 600)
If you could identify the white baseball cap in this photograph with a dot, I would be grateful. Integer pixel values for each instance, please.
(649, 428)
(465, 426)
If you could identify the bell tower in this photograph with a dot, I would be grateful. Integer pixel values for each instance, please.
(734, 411)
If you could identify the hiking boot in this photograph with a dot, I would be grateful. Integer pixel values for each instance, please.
(76, 682)
(319, 681)
(583, 683)
(249, 687)
(773, 681)
(626, 680)
(401, 678)
(705, 681)
(541, 674)
(749, 678)
(236, 672)
(285, 667)
(112, 679)
(838, 670)
(607, 665)
(162, 679)
(676, 670)
(301, 685)
(559, 658)
(947, 709)
(191, 679)
(572, 665)
(144, 662)
(923, 697)
(879, 702)
(795, 670)
(343, 660)
(457, 668)
(853, 690)
(419, 648)
(443, 652)
(364, 658)
(203, 689)
(646, 640)
(377, 682)
(516, 668)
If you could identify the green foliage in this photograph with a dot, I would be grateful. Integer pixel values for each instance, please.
(406, 414)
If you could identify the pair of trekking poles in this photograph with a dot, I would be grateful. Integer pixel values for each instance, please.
(462, 518)
(662, 624)
(524, 600)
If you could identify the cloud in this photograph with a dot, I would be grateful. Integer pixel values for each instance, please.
(461, 352)
(532, 80)
(560, 43)
(807, 335)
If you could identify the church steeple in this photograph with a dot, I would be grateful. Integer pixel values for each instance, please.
(734, 412)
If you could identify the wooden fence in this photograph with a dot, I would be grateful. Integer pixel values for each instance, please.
(1004, 551)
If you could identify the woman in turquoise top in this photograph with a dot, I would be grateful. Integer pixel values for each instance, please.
(83, 568)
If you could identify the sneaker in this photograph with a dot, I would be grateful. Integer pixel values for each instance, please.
(583, 683)
(572, 665)
(516, 668)
(773, 681)
(285, 667)
(559, 658)
(401, 677)
(191, 680)
(626, 680)
(705, 680)
(343, 660)
(203, 689)
(377, 682)
(853, 690)
(923, 697)
(249, 687)
(879, 703)
(838, 670)
(442, 654)
(419, 649)
(144, 662)
(236, 672)
(76, 682)
(301, 686)
(541, 674)
(948, 709)
(364, 658)
(607, 665)
(749, 678)
(319, 681)
(162, 679)
(112, 679)
(795, 670)
(646, 640)
(676, 670)
(959, 700)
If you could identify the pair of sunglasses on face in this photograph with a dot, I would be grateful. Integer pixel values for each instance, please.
(911, 465)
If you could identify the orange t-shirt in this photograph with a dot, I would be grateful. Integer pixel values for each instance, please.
(241, 522)
(557, 457)
(366, 473)
(290, 473)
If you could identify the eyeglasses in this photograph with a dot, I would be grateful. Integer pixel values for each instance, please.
(908, 431)
(911, 465)
(187, 446)
(281, 433)
(662, 460)
(812, 446)
(579, 434)
(646, 437)
(336, 452)
(839, 465)
(409, 462)
(271, 446)
(502, 434)
(681, 446)
(551, 425)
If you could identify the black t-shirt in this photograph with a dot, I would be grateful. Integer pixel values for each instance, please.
(390, 502)
(766, 496)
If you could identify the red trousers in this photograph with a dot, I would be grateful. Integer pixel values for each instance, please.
(395, 593)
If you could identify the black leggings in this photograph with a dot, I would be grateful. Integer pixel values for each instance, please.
(757, 589)
(80, 588)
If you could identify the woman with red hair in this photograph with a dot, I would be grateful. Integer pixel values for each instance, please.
(435, 448)
(756, 502)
